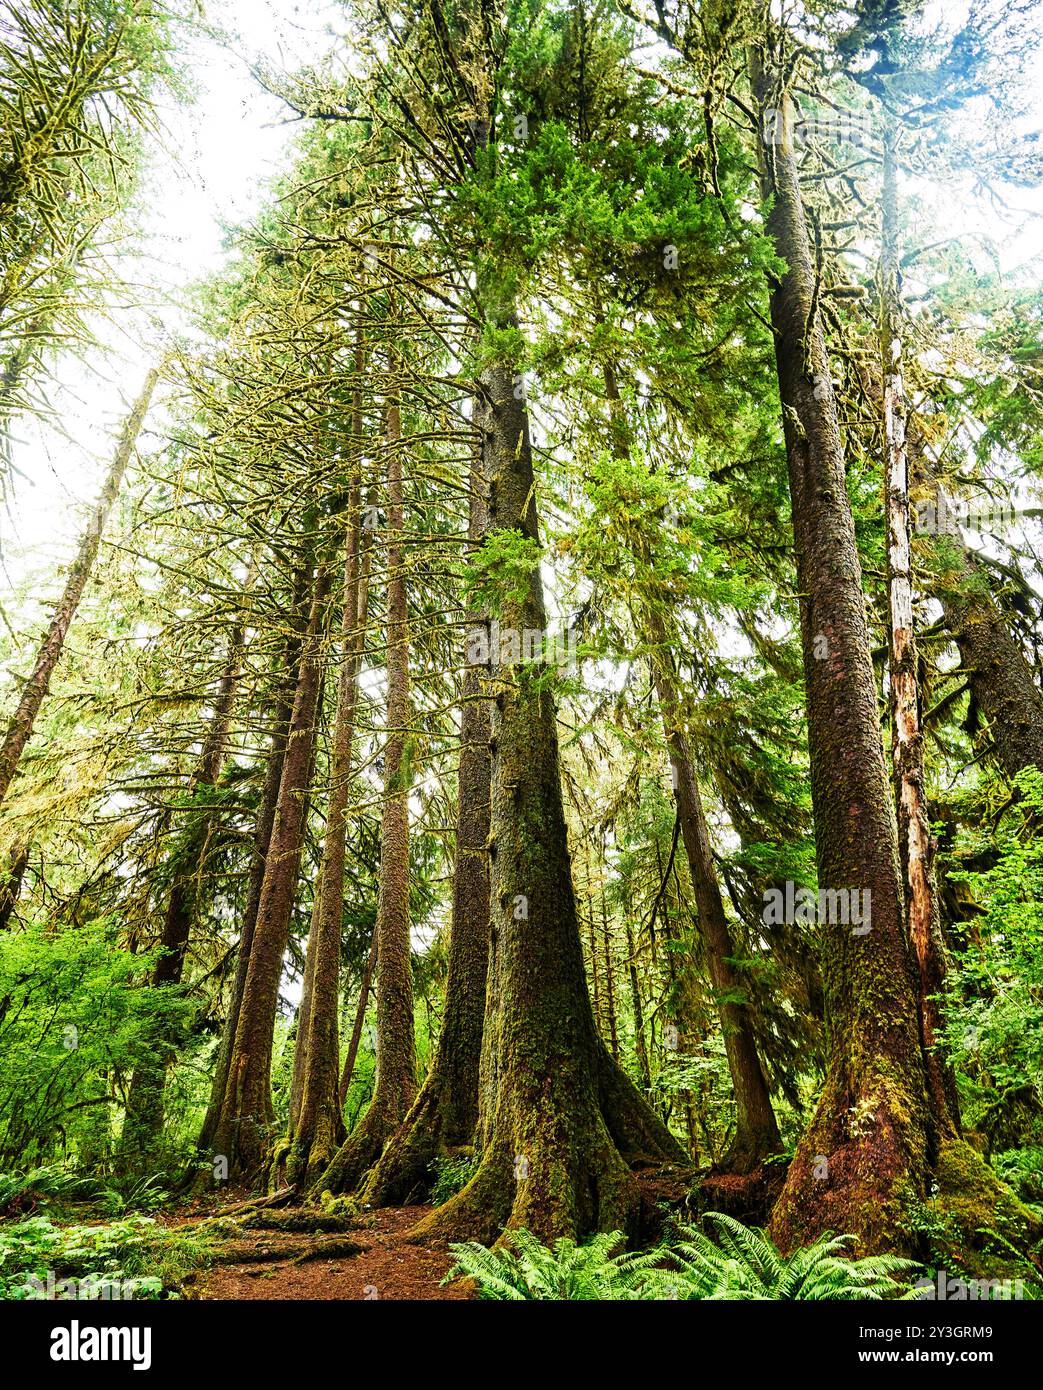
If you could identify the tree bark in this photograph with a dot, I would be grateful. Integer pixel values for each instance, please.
(445, 1113)
(915, 842)
(360, 1017)
(282, 713)
(395, 1084)
(317, 1129)
(1001, 679)
(243, 1130)
(11, 882)
(756, 1129)
(565, 1122)
(864, 1154)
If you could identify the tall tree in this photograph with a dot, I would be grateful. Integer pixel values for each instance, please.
(20, 729)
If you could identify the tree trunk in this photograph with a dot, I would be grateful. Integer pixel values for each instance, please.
(360, 1018)
(11, 882)
(610, 982)
(395, 1084)
(317, 1128)
(756, 1129)
(445, 1112)
(637, 1006)
(283, 711)
(566, 1121)
(35, 689)
(143, 1121)
(915, 842)
(864, 1154)
(1001, 679)
(244, 1127)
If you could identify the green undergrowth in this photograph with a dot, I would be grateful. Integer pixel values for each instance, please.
(739, 1263)
(133, 1257)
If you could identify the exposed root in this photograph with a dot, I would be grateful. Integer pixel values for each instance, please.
(270, 1250)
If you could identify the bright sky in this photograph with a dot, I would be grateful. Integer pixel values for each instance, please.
(207, 170)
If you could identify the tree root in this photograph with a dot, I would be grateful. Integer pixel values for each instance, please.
(291, 1251)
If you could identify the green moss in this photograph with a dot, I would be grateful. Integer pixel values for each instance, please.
(975, 1224)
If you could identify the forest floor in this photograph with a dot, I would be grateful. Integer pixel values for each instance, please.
(387, 1265)
(263, 1249)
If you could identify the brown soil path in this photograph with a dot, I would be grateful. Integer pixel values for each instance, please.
(388, 1268)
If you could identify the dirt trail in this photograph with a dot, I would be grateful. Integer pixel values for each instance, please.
(389, 1267)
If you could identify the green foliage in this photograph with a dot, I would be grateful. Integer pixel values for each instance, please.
(742, 1265)
(501, 572)
(994, 998)
(72, 1018)
(597, 1270)
(1022, 1171)
(134, 1249)
(452, 1172)
(24, 1191)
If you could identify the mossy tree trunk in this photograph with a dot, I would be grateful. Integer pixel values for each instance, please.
(395, 1083)
(1001, 679)
(864, 1153)
(565, 1123)
(445, 1112)
(316, 1126)
(243, 1129)
(11, 880)
(915, 842)
(756, 1129)
(280, 728)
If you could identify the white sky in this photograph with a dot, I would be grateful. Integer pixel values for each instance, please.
(208, 169)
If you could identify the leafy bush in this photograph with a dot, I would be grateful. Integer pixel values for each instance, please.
(136, 1249)
(1022, 1169)
(72, 1018)
(744, 1265)
(21, 1193)
(994, 988)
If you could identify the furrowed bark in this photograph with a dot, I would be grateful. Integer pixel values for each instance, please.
(864, 1154)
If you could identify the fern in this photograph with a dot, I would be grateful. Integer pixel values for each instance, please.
(598, 1269)
(740, 1264)
(745, 1265)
